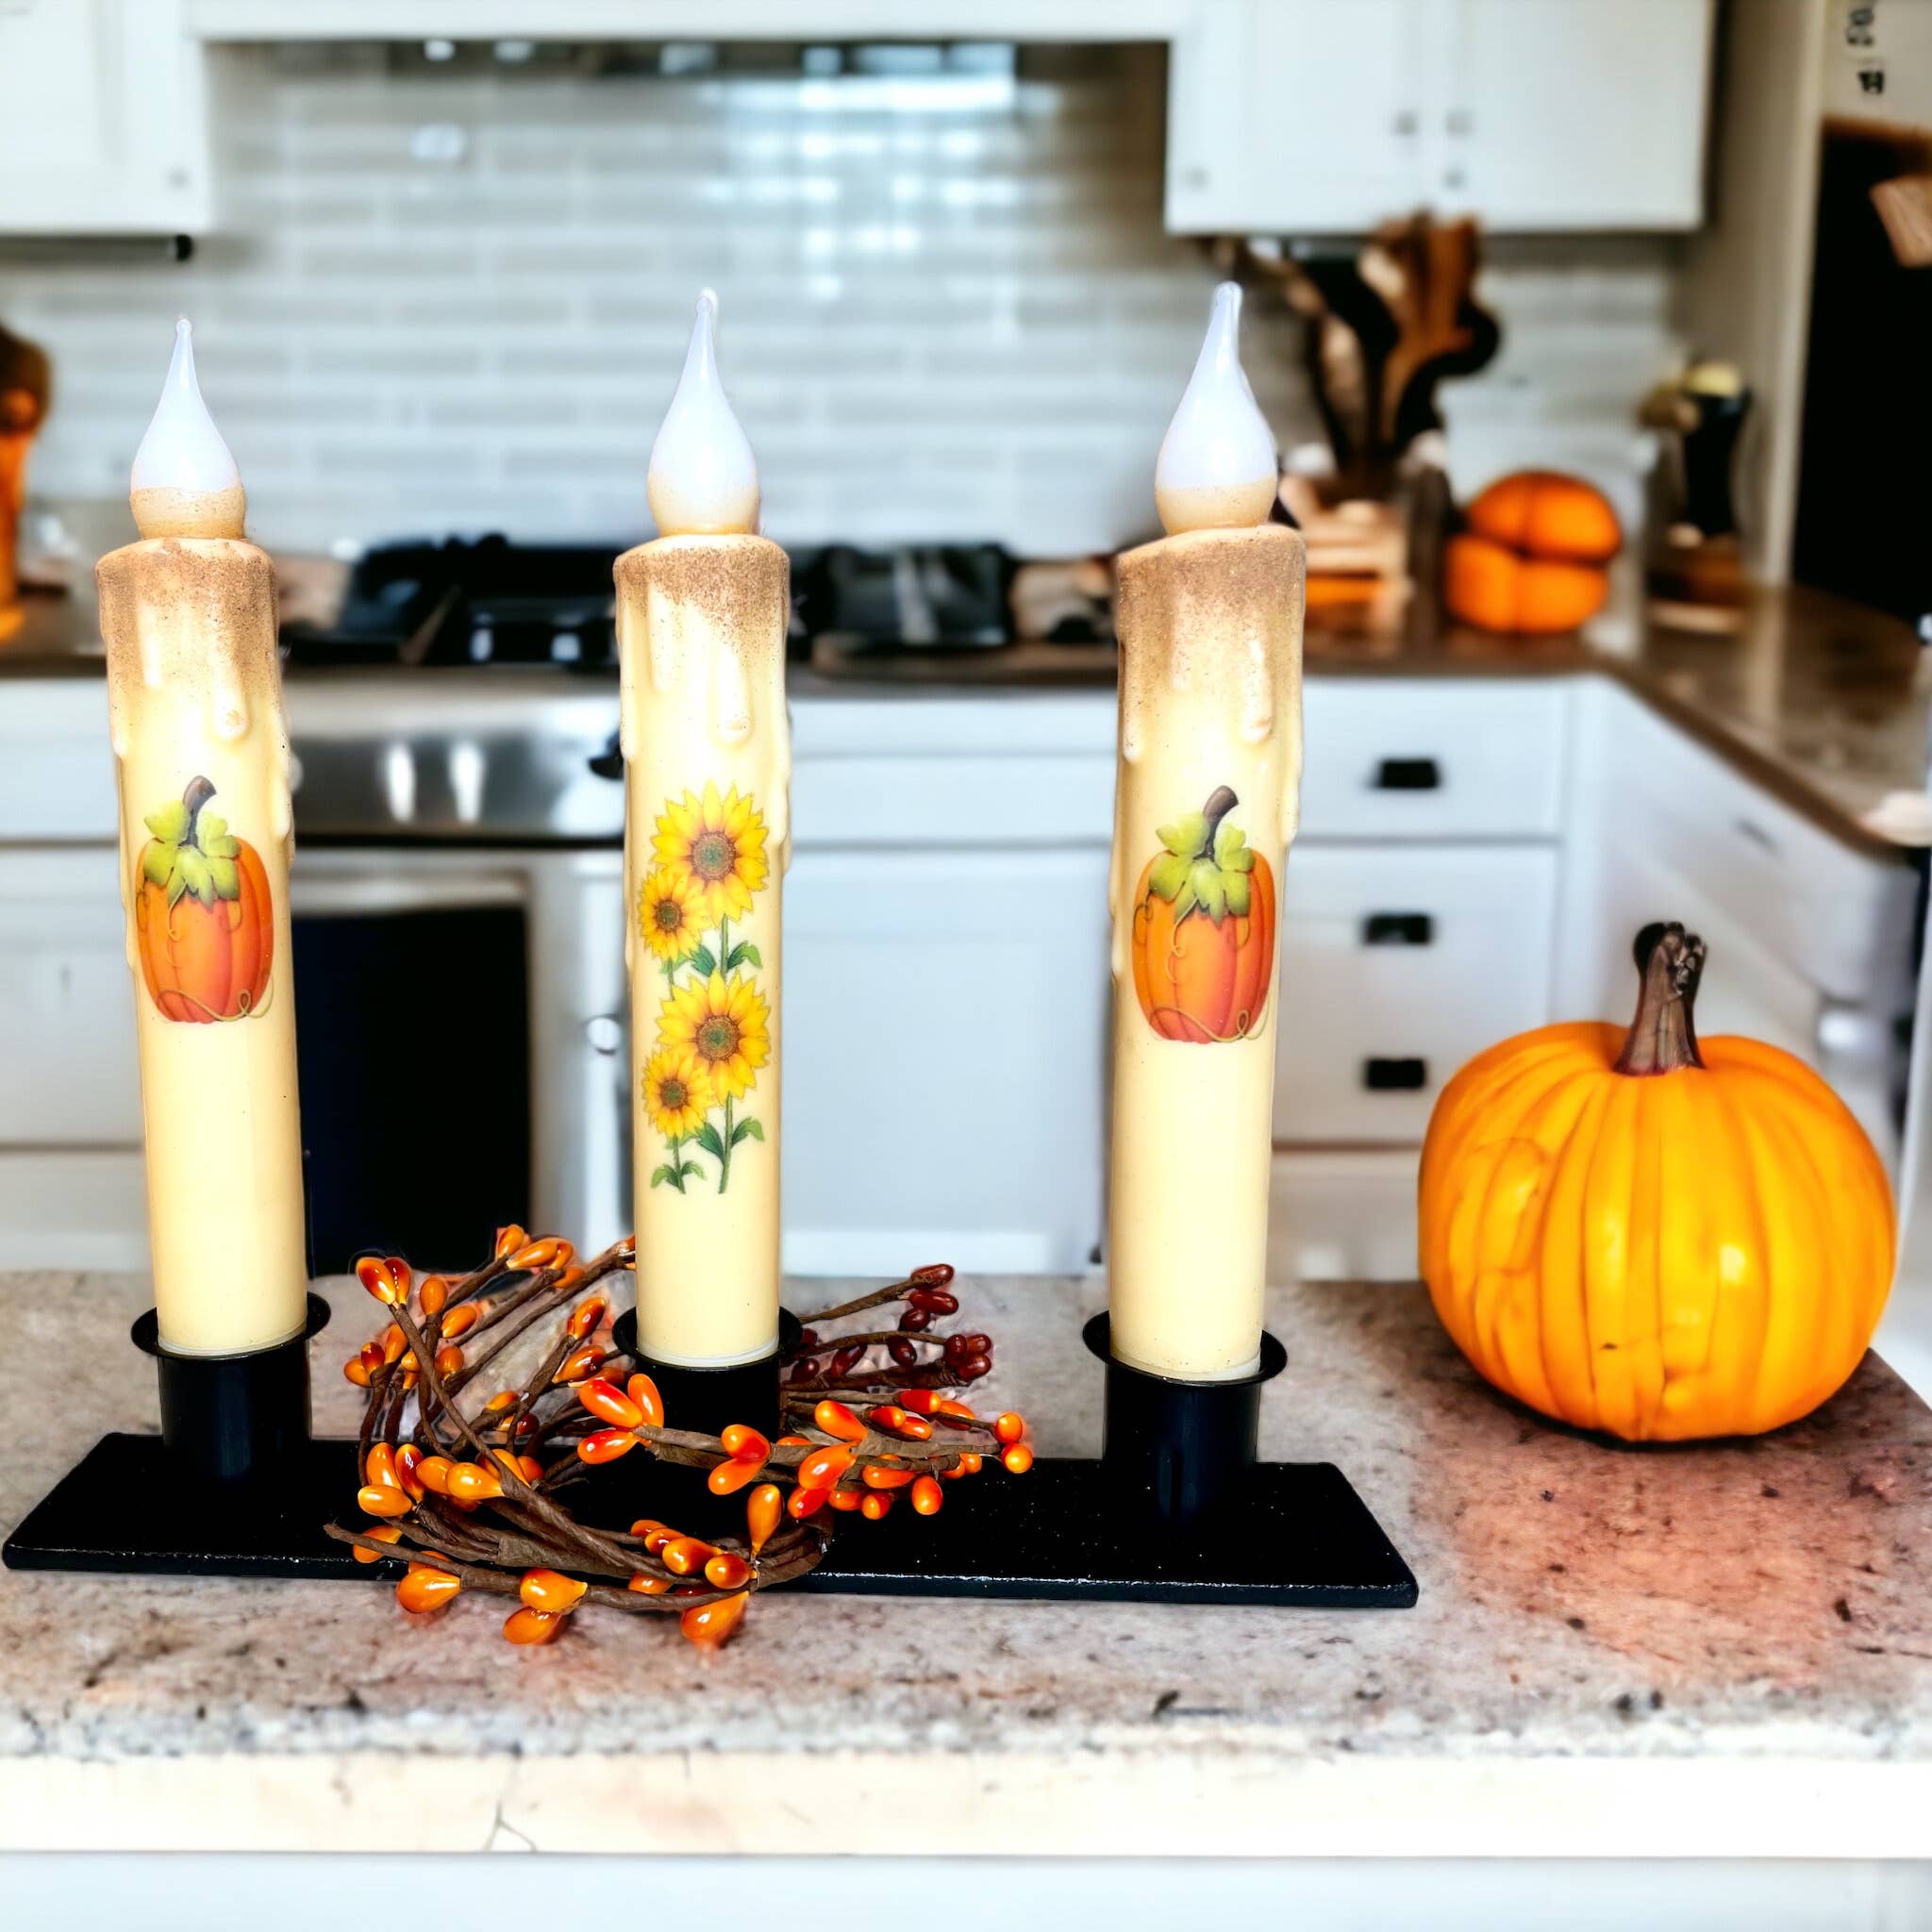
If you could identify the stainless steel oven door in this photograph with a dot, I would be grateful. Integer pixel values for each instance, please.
(462, 1046)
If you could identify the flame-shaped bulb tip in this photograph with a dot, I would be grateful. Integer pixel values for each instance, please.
(1217, 463)
(703, 480)
(184, 482)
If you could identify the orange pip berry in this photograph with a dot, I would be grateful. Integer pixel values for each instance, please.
(875, 1505)
(538, 1254)
(357, 1370)
(508, 1239)
(927, 1497)
(379, 1499)
(647, 1585)
(733, 1473)
(726, 1569)
(643, 1392)
(433, 1474)
(460, 1320)
(586, 1361)
(533, 1627)
(584, 1316)
(426, 1588)
(821, 1469)
(685, 1555)
(409, 1471)
(449, 1360)
(1018, 1459)
(499, 1404)
(609, 1404)
(708, 1624)
(379, 1466)
(656, 1534)
(794, 1441)
(606, 1445)
(919, 1401)
(433, 1295)
(379, 1277)
(835, 1419)
(763, 1509)
(741, 1439)
(530, 1469)
(1009, 1427)
(380, 1533)
(472, 1482)
(550, 1590)
(877, 1475)
(845, 1500)
(802, 1502)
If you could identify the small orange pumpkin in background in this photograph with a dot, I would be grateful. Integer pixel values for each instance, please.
(1203, 929)
(1650, 1236)
(1532, 557)
(203, 914)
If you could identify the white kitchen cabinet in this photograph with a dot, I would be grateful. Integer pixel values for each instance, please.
(1398, 963)
(945, 1028)
(1328, 116)
(103, 120)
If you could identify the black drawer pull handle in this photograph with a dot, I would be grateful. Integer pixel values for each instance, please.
(1398, 929)
(1395, 1077)
(1408, 775)
(608, 763)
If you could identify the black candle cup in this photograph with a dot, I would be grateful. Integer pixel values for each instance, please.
(1183, 1446)
(234, 1420)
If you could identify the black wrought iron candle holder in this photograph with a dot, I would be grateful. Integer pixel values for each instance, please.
(233, 1486)
(1176, 1508)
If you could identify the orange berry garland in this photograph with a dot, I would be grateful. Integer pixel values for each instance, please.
(866, 1417)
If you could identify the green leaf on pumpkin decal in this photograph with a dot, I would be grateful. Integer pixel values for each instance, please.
(157, 862)
(169, 822)
(1168, 875)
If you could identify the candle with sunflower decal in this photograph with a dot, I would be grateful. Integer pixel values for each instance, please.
(702, 615)
(201, 751)
(1207, 794)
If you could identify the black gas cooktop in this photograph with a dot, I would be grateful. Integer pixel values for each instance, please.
(462, 602)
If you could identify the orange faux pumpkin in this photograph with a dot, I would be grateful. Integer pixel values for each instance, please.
(203, 914)
(1203, 929)
(1652, 1236)
(1532, 557)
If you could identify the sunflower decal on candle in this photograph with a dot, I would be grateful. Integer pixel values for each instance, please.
(714, 1029)
(204, 918)
(1203, 929)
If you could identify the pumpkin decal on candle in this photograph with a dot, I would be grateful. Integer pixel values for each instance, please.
(714, 1029)
(1203, 929)
(203, 913)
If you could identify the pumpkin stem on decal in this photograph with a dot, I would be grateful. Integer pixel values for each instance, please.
(1663, 1034)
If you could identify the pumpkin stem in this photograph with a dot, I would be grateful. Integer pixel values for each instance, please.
(1663, 1036)
(1221, 801)
(195, 794)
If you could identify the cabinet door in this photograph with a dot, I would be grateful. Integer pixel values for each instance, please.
(68, 1072)
(1581, 114)
(945, 1018)
(102, 125)
(1295, 115)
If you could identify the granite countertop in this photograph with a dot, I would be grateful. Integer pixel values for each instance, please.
(1721, 1651)
(1825, 702)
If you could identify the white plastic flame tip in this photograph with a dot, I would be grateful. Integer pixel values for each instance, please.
(1217, 462)
(702, 480)
(183, 450)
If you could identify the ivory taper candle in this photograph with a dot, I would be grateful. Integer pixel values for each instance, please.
(1207, 793)
(702, 615)
(202, 756)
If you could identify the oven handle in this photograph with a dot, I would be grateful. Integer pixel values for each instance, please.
(381, 891)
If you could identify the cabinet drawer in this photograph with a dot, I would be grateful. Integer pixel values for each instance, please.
(1472, 758)
(1396, 967)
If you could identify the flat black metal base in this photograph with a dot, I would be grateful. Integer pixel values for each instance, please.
(122, 1508)
(1294, 1534)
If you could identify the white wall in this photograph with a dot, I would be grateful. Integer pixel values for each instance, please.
(456, 296)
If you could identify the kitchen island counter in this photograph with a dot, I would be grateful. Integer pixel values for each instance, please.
(1720, 1651)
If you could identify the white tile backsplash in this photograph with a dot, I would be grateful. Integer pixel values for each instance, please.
(460, 298)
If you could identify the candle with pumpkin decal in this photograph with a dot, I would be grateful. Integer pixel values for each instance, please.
(201, 753)
(702, 616)
(1207, 793)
